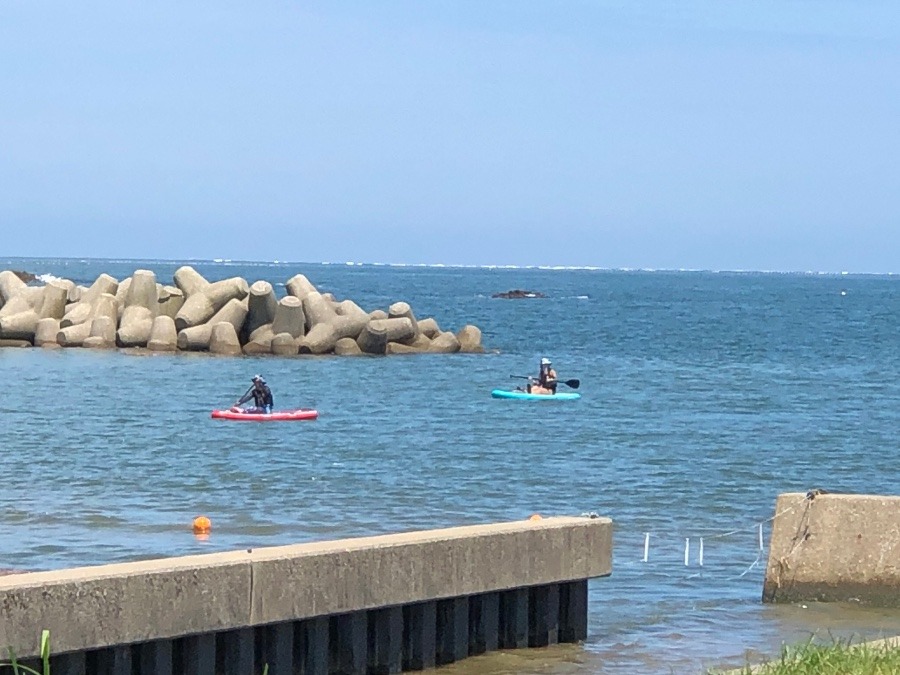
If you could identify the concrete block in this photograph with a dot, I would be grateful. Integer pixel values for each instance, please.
(296, 582)
(125, 603)
(834, 548)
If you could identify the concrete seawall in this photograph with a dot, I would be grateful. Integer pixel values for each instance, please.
(832, 547)
(369, 605)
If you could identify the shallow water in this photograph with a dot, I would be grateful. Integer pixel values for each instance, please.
(705, 395)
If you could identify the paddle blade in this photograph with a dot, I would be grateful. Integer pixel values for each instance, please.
(572, 383)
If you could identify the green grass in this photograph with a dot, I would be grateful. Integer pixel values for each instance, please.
(837, 658)
(18, 669)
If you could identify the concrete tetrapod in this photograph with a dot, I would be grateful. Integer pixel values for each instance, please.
(86, 308)
(347, 347)
(196, 338)
(317, 310)
(261, 305)
(429, 327)
(469, 338)
(45, 333)
(141, 301)
(299, 286)
(163, 336)
(445, 343)
(10, 286)
(171, 300)
(284, 344)
(200, 307)
(402, 310)
(224, 340)
(103, 334)
(373, 338)
(74, 335)
(51, 303)
(396, 330)
(289, 317)
(189, 281)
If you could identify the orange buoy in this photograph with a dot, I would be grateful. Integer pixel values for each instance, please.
(536, 516)
(202, 525)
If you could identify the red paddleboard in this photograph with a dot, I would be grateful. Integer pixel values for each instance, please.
(274, 416)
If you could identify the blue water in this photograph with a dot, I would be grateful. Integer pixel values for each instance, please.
(704, 396)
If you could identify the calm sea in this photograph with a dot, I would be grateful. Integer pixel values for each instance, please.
(705, 395)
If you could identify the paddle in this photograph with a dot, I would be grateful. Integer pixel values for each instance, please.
(574, 383)
(245, 393)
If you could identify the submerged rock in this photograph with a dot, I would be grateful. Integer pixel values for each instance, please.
(518, 293)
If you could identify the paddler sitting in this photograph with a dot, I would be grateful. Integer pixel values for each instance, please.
(546, 380)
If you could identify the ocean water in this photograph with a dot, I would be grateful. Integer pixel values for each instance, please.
(705, 395)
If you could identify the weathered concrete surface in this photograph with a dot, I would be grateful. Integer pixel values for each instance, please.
(93, 607)
(834, 548)
(334, 577)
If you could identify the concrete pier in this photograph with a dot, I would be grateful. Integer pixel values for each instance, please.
(834, 548)
(384, 604)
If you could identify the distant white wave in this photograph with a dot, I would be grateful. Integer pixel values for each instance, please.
(48, 278)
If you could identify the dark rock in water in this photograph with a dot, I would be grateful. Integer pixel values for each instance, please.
(27, 277)
(518, 293)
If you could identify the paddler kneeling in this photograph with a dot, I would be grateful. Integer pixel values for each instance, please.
(261, 395)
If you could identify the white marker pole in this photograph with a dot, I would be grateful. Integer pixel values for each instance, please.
(646, 546)
(687, 551)
(700, 560)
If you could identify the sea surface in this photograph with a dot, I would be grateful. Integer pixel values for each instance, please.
(705, 395)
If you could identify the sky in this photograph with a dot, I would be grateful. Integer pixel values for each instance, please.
(757, 135)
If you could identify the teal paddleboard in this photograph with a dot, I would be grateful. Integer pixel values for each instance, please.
(525, 396)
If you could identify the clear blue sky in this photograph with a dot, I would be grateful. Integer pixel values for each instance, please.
(723, 134)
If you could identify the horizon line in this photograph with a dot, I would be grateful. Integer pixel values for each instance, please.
(498, 266)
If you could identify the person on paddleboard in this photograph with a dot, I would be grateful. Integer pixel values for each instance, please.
(546, 380)
(261, 395)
